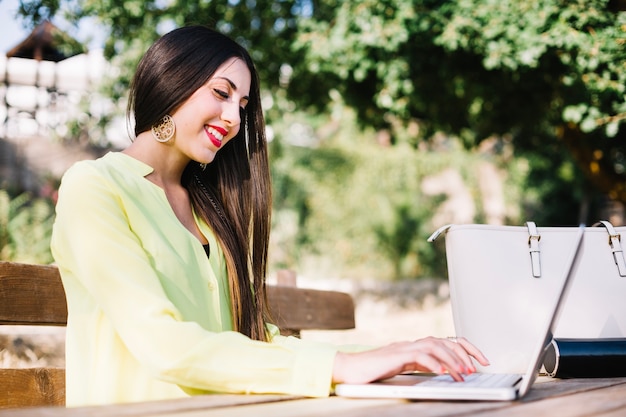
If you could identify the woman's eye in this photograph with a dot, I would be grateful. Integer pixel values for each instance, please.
(221, 93)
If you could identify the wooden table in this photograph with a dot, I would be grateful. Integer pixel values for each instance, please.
(548, 397)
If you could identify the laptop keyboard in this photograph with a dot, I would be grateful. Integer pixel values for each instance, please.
(474, 380)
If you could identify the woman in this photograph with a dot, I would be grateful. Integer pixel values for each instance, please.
(162, 249)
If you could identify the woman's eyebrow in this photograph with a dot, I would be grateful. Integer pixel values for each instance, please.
(233, 86)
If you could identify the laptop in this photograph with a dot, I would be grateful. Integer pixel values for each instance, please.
(480, 386)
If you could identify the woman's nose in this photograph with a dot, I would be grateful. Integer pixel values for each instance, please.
(231, 114)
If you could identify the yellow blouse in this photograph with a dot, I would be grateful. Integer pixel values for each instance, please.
(148, 315)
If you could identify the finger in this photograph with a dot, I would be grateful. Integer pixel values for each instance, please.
(455, 356)
(456, 376)
(451, 356)
(431, 363)
(451, 363)
(473, 351)
(455, 345)
(466, 351)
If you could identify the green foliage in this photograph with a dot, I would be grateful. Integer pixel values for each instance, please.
(494, 64)
(25, 228)
(543, 71)
(568, 199)
(476, 68)
(347, 205)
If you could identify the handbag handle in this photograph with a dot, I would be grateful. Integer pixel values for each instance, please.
(614, 242)
(616, 246)
(535, 252)
(533, 247)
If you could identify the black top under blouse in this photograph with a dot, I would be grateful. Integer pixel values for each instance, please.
(207, 249)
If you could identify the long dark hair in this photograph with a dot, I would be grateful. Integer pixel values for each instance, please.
(233, 193)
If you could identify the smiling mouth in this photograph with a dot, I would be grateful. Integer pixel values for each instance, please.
(214, 135)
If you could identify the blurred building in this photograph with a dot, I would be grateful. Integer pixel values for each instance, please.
(46, 81)
(43, 80)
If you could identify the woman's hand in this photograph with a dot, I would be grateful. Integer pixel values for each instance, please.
(430, 355)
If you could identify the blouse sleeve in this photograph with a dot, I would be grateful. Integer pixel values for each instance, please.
(101, 258)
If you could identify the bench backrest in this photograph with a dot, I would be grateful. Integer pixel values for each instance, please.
(34, 295)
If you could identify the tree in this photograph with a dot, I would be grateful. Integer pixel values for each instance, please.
(551, 73)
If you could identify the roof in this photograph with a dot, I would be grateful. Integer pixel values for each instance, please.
(47, 43)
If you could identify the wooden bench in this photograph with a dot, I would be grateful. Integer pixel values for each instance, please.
(34, 295)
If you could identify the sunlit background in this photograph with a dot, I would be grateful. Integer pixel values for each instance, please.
(361, 174)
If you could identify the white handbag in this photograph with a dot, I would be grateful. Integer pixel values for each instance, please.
(504, 280)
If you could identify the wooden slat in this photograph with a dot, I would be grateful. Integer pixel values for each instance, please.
(590, 402)
(307, 309)
(583, 397)
(159, 408)
(31, 295)
(32, 387)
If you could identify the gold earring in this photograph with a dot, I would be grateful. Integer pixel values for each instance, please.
(164, 130)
